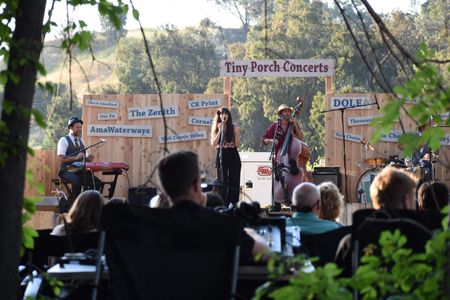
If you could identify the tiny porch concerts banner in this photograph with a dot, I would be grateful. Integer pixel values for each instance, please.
(277, 68)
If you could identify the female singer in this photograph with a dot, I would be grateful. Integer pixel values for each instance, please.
(225, 137)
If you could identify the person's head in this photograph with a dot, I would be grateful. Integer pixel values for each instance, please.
(331, 201)
(75, 124)
(214, 200)
(86, 211)
(306, 198)
(432, 195)
(393, 188)
(284, 112)
(116, 201)
(179, 175)
(223, 115)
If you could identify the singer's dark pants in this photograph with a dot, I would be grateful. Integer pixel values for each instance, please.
(231, 166)
(76, 180)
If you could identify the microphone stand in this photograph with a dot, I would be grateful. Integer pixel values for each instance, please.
(342, 109)
(274, 166)
(220, 170)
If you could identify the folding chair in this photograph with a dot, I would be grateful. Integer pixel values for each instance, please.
(164, 254)
(323, 245)
(368, 224)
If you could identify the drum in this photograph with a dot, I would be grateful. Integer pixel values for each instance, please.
(363, 186)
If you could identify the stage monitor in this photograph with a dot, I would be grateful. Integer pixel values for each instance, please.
(141, 195)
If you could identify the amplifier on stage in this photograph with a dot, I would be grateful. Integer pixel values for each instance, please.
(141, 195)
(323, 174)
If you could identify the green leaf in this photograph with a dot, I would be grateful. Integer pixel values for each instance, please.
(39, 118)
(135, 14)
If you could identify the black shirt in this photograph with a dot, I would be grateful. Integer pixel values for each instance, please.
(187, 213)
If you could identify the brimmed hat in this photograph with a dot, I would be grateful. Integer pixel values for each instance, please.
(283, 107)
(74, 120)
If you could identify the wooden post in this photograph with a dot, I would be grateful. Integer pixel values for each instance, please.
(329, 86)
(227, 89)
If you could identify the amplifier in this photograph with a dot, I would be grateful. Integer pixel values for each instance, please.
(141, 195)
(323, 174)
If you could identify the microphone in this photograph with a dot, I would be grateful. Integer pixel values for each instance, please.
(103, 141)
(368, 145)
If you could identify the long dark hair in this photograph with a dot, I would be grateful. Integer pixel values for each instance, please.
(229, 133)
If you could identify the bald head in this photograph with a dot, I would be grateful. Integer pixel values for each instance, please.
(305, 196)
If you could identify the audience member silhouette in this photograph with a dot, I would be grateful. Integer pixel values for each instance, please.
(306, 204)
(432, 195)
(179, 175)
(84, 215)
(393, 188)
(331, 202)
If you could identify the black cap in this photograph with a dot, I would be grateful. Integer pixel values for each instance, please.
(74, 120)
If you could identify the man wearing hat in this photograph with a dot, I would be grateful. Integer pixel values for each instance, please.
(68, 151)
(276, 133)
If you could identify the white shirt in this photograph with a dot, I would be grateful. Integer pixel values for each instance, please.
(63, 144)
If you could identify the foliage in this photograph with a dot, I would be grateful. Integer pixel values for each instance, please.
(185, 61)
(246, 10)
(315, 130)
(57, 116)
(431, 97)
(22, 33)
(29, 208)
(397, 273)
(113, 34)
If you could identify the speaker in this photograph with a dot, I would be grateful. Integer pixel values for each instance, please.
(327, 174)
(141, 195)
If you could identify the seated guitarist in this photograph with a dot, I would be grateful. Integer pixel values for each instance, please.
(68, 151)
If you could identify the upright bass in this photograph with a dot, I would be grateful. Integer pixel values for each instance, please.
(288, 174)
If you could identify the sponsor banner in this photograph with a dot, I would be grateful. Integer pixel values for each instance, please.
(445, 141)
(102, 103)
(184, 136)
(348, 136)
(204, 103)
(359, 121)
(353, 102)
(120, 130)
(264, 170)
(151, 112)
(277, 68)
(107, 116)
(200, 121)
(391, 136)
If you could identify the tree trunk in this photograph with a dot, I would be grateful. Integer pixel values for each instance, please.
(26, 42)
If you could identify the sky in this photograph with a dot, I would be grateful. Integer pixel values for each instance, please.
(182, 13)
